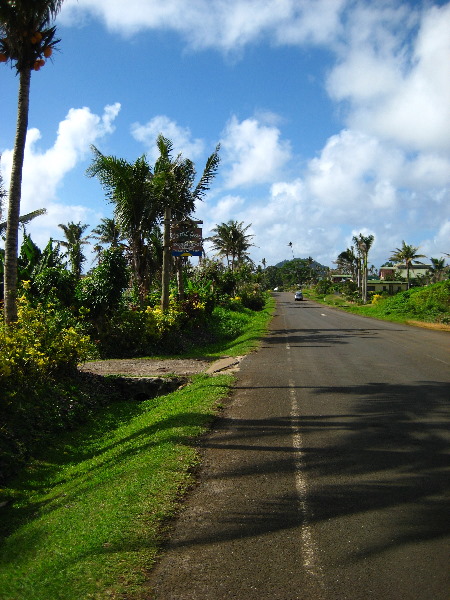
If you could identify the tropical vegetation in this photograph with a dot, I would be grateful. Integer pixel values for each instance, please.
(406, 254)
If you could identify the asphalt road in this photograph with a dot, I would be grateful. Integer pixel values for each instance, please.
(328, 476)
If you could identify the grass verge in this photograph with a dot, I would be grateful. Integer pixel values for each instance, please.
(427, 307)
(86, 518)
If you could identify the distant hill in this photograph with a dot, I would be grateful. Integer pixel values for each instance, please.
(316, 266)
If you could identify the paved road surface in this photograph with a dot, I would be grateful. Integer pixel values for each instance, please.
(328, 477)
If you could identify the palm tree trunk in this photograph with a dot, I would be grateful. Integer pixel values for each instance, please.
(15, 189)
(364, 282)
(166, 260)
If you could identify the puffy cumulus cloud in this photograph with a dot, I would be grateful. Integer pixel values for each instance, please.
(357, 184)
(44, 170)
(181, 137)
(398, 87)
(224, 24)
(252, 152)
(353, 174)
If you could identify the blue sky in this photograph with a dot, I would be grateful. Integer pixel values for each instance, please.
(333, 116)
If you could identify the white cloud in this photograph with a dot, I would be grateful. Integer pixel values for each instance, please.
(221, 24)
(386, 173)
(394, 93)
(181, 137)
(252, 152)
(44, 170)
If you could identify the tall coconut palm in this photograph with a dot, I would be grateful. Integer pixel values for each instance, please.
(73, 232)
(173, 182)
(26, 40)
(407, 254)
(363, 245)
(175, 178)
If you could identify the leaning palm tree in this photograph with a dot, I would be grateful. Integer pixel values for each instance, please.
(24, 219)
(407, 254)
(347, 262)
(26, 40)
(73, 232)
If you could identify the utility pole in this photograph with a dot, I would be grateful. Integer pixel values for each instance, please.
(166, 260)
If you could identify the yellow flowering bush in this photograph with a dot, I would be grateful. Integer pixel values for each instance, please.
(376, 298)
(44, 340)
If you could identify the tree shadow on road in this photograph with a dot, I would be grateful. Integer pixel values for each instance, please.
(387, 455)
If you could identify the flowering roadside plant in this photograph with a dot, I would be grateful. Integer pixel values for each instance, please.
(44, 340)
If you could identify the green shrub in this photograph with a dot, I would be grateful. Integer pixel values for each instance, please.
(127, 333)
(56, 283)
(252, 297)
(101, 291)
(37, 354)
(323, 287)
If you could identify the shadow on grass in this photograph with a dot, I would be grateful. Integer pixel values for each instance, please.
(72, 464)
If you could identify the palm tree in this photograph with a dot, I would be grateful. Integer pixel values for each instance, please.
(174, 183)
(26, 39)
(347, 262)
(363, 245)
(136, 208)
(406, 254)
(108, 232)
(438, 269)
(73, 243)
(231, 242)
(174, 178)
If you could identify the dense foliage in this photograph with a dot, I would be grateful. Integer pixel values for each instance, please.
(431, 303)
(42, 390)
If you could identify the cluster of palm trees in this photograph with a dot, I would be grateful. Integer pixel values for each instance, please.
(354, 260)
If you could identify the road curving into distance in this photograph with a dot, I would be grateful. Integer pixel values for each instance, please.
(328, 476)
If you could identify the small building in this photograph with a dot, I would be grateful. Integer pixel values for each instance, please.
(415, 270)
(339, 278)
(378, 286)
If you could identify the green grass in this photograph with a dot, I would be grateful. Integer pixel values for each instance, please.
(86, 518)
(253, 324)
(427, 305)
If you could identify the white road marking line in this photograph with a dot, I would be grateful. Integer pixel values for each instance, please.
(309, 549)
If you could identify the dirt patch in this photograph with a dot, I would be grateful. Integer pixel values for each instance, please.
(425, 325)
(146, 367)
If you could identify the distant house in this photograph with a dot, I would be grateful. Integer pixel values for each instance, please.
(378, 286)
(419, 270)
(339, 278)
